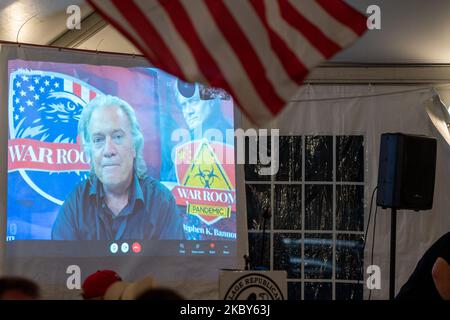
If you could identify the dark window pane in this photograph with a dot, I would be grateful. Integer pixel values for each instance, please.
(290, 158)
(253, 163)
(350, 158)
(288, 207)
(350, 208)
(349, 291)
(318, 256)
(259, 260)
(258, 206)
(319, 158)
(287, 253)
(294, 290)
(318, 291)
(318, 207)
(349, 256)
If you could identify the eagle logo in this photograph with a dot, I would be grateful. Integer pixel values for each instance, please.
(44, 110)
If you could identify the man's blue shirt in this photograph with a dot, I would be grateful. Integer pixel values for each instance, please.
(151, 213)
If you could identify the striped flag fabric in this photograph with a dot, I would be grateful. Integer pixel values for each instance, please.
(260, 51)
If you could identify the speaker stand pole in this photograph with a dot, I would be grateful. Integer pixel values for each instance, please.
(263, 243)
(392, 259)
(266, 218)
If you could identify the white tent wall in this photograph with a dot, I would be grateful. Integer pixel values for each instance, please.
(330, 113)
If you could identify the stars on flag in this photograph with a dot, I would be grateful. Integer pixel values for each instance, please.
(31, 87)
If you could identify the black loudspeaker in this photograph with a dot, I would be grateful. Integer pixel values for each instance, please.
(406, 171)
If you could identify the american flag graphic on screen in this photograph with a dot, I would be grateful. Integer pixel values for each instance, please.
(44, 110)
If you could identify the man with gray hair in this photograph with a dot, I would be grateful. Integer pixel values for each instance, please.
(118, 201)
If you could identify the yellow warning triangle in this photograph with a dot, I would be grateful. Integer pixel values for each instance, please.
(206, 171)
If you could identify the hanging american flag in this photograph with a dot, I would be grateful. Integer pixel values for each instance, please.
(260, 51)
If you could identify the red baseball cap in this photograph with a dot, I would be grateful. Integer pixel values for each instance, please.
(96, 284)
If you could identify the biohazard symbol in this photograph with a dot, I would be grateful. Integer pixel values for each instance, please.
(206, 177)
(206, 171)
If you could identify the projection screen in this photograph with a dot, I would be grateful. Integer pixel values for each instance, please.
(184, 220)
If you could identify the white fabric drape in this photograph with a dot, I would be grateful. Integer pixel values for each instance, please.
(371, 116)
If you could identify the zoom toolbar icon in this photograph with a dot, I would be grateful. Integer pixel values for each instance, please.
(124, 247)
(113, 247)
(136, 247)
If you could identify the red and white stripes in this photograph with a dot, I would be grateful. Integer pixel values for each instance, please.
(258, 50)
(81, 91)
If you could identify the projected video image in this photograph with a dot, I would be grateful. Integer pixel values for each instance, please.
(112, 153)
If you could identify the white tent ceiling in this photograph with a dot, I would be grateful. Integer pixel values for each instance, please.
(39, 21)
(413, 31)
